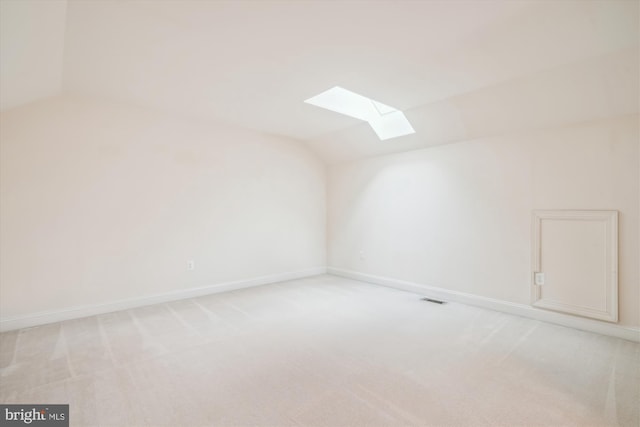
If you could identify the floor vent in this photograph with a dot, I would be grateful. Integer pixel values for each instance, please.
(435, 301)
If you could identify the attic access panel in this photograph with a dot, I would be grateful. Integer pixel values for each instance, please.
(575, 262)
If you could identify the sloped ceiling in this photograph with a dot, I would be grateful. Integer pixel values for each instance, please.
(31, 50)
(459, 69)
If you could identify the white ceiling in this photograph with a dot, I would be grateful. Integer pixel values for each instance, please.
(31, 50)
(459, 69)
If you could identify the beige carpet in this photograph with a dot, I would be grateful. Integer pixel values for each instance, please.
(322, 351)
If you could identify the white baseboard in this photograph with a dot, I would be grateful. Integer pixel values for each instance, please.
(628, 333)
(19, 322)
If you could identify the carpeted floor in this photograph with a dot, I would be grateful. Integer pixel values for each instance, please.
(322, 351)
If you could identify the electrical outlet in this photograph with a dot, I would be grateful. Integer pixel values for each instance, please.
(191, 265)
(538, 279)
(361, 255)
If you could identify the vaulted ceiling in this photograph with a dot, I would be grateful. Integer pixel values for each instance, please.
(459, 69)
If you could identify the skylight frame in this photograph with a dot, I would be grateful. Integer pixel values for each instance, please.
(387, 122)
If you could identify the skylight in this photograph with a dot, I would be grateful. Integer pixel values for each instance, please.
(386, 121)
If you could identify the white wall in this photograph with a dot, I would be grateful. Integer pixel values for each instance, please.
(102, 202)
(32, 44)
(459, 216)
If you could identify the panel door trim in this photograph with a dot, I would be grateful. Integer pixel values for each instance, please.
(610, 220)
